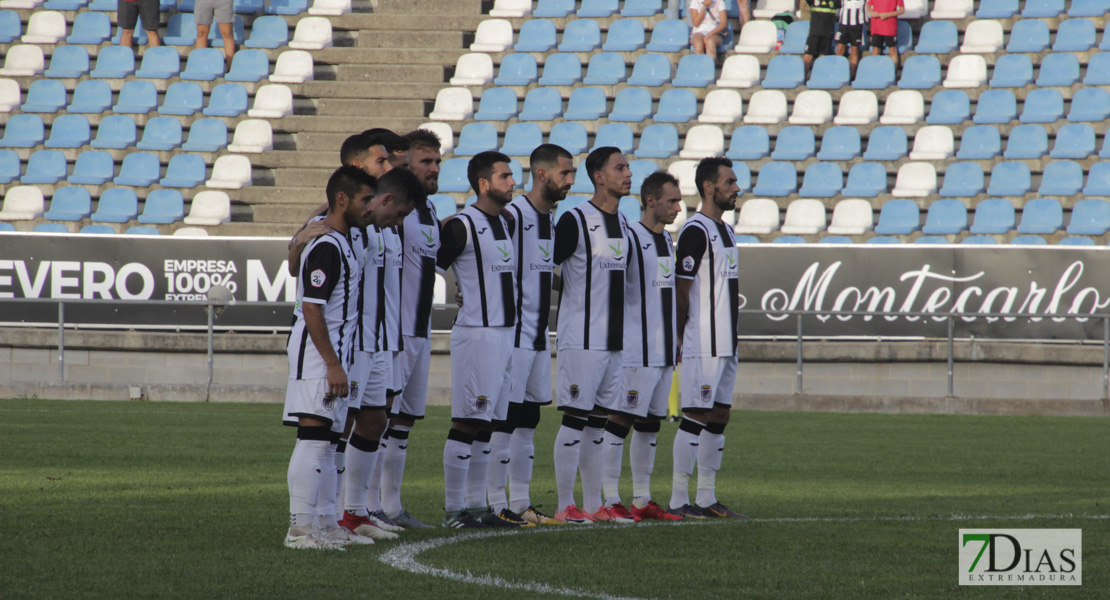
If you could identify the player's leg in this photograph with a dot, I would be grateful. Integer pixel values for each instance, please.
(407, 408)
(684, 452)
(522, 449)
(391, 365)
(363, 446)
(606, 431)
(641, 449)
(460, 449)
(313, 413)
(571, 384)
(711, 443)
(631, 402)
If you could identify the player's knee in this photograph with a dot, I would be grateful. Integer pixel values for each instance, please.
(524, 415)
(649, 425)
(319, 433)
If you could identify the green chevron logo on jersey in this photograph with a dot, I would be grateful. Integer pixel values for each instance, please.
(731, 257)
(545, 251)
(429, 236)
(666, 267)
(506, 254)
(618, 250)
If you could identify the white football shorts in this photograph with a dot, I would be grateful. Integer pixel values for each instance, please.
(531, 376)
(587, 378)
(308, 398)
(481, 372)
(707, 380)
(645, 391)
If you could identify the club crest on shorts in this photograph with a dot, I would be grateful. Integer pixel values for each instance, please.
(354, 390)
(329, 402)
(632, 399)
(706, 393)
(573, 392)
(481, 404)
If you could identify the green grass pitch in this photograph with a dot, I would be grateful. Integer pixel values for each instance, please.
(160, 500)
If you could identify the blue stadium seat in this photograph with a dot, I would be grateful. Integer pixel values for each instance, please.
(561, 69)
(835, 239)
(750, 142)
(582, 185)
(91, 97)
(631, 104)
(676, 106)
(536, 35)
(50, 228)
(181, 30)
(23, 131)
(92, 28)
(569, 203)
(163, 207)
(204, 64)
(1058, 70)
(226, 100)
(963, 180)
(553, 9)
(142, 230)
(139, 34)
(640, 171)
(1042, 106)
(182, 98)
(69, 203)
(1026, 141)
(1011, 71)
(571, 136)
(475, 138)
(949, 107)
(161, 133)
(1075, 35)
(695, 70)
(268, 32)
(784, 72)
(586, 104)
(598, 9)
(160, 62)
(669, 35)
(743, 177)
(776, 179)
(630, 207)
(1041, 216)
(658, 141)
(980, 142)
(746, 239)
(139, 169)
(1028, 35)
(93, 167)
(11, 28)
(497, 104)
(10, 166)
(625, 35)
(103, 5)
(931, 239)
(521, 139)
(996, 107)
(997, 9)
(517, 69)
(248, 7)
(905, 37)
(444, 204)
(945, 217)
(249, 65)
(452, 175)
(45, 167)
(1088, 8)
(920, 73)
(993, 216)
(542, 104)
(874, 73)
(45, 96)
(1098, 70)
(286, 7)
(937, 37)
(887, 143)
(840, 143)
(789, 239)
(239, 33)
(581, 35)
(650, 70)
(184, 171)
(116, 205)
(822, 180)
(795, 142)
(69, 131)
(68, 62)
(1010, 179)
(898, 217)
(865, 180)
(1076, 241)
(1074, 140)
(605, 68)
(136, 97)
(206, 135)
(1042, 9)
(1098, 180)
(1089, 105)
(641, 8)
(1061, 178)
(829, 73)
(794, 40)
(613, 134)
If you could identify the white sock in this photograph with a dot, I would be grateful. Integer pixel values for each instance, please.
(393, 468)
(685, 453)
(568, 445)
(304, 480)
(612, 455)
(641, 457)
(498, 473)
(457, 453)
(326, 498)
(589, 465)
(374, 488)
(710, 451)
(522, 452)
(479, 468)
(363, 455)
(340, 475)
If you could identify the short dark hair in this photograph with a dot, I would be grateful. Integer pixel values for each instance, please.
(422, 139)
(548, 154)
(597, 159)
(708, 170)
(349, 180)
(481, 166)
(393, 143)
(404, 185)
(353, 149)
(653, 185)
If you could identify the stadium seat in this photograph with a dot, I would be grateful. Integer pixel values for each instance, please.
(669, 35)
(963, 180)
(804, 217)
(794, 40)
(597, 9)
(613, 134)
(444, 205)
(272, 101)
(898, 217)
(821, 180)
(789, 239)
(136, 97)
(10, 166)
(937, 37)
(721, 106)
(757, 37)
(982, 37)
(23, 61)
(766, 107)
(945, 217)
(561, 69)
(185, 171)
(580, 35)
(452, 175)
(252, 136)
(905, 34)
(1098, 180)
(835, 239)
(903, 107)
(249, 65)
(293, 66)
(980, 142)
(1028, 35)
(1058, 70)
(114, 62)
(915, 180)
(161, 133)
(23, 131)
(1042, 106)
(1089, 105)
(874, 73)
(230, 172)
(314, 33)
(521, 139)
(190, 232)
(920, 73)
(934, 142)
(739, 71)
(1042, 9)
(69, 131)
(631, 104)
(50, 228)
(776, 179)
(661, 141)
(865, 180)
(163, 207)
(1010, 179)
(45, 96)
(183, 98)
(230, 100)
(625, 35)
(949, 107)
(852, 217)
(142, 230)
(794, 143)
(1088, 8)
(11, 27)
(857, 107)
(91, 28)
(268, 32)
(45, 27)
(160, 62)
(1098, 70)
(45, 167)
(1076, 241)
(23, 203)
(931, 239)
(181, 30)
(10, 95)
(702, 141)
(630, 208)
(571, 136)
(445, 135)
(536, 35)
(116, 205)
(996, 107)
(1074, 140)
(1061, 178)
(784, 72)
(581, 185)
(887, 143)
(758, 216)
(750, 142)
(139, 169)
(93, 167)
(840, 144)
(68, 62)
(452, 104)
(641, 8)
(330, 8)
(966, 71)
(676, 106)
(640, 171)
(650, 70)
(497, 104)
(477, 69)
(1012, 71)
(204, 64)
(993, 216)
(553, 9)
(475, 138)
(1075, 35)
(605, 68)
(1041, 216)
(694, 70)
(883, 239)
(69, 204)
(829, 73)
(997, 9)
(766, 9)
(586, 104)
(511, 9)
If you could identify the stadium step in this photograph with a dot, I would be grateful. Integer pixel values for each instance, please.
(390, 56)
(403, 39)
(370, 91)
(376, 74)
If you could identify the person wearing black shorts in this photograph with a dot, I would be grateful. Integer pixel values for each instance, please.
(822, 22)
(129, 11)
(853, 15)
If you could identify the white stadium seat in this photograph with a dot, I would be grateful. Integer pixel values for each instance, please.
(857, 107)
(934, 142)
(272, 101)
(703, 141)
(453, 104)
(966, 71)
(445, 134)
(31, 4)
(252, 136)
(312, 33)
(952, 9)
(473, 69)
(23, 203)
(765, 9)
(915, 180)
(758, 216)
(45, 27)
(915, 9)
(757, 37)
(10, 95)
(191, 232)
(766, 107)
(683, 170)
(209, 208)
(511, 9)
(982, 37)
(804, 217)
(330, 8)
(230, 172)
(293, 66)
(852, 217)
(812, 107)
(493, 35)
(903, 107)
(721, 106)
(23, 61)
(739, 71)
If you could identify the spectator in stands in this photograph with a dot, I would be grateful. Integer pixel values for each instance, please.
(223, 14)
(709, 19)
(884, 27)
(745, 13)
(850, 34)
(822, 22)
(128, 12)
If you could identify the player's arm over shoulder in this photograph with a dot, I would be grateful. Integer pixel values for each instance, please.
(566, 236)
(452, 243)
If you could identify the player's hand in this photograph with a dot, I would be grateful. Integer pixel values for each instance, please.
(458, 295)
(312, 231)
(337, 381)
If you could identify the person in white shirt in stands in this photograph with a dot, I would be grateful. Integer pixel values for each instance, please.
(709, 20)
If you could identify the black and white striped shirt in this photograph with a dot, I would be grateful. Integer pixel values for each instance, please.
(707, 255)
(534, 239)
(420, 233)
(649, 292)
(329, 276)
(853, 12)
(370, 249)
(389, 303)
(478, 248)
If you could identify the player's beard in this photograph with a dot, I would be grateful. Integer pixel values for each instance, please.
(553, 193)
(725, 203)
(500, 199)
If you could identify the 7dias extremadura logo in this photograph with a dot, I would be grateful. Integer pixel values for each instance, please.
(1021, 557)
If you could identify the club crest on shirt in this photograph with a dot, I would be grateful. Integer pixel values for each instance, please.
(353, 392)
(632, 399)
(318, 278)
(573, 392)
(706, 393)
(481, 404)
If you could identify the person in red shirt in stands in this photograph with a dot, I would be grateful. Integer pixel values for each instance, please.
(884, 27)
